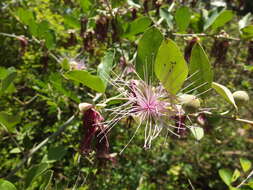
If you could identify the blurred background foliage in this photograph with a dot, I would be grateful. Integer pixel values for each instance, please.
(41, 40)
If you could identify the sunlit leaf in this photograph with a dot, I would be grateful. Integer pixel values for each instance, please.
(200, 70)
(170, 66)
(236, 175)
(226, 176)
(6, 185)
(146, 52)
(8, 120)
(246, 164)
(87, 79)
(198, 132)
(224, 92)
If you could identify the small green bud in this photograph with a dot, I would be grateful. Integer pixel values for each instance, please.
(189, 102)
(84, 106)
(241, 97)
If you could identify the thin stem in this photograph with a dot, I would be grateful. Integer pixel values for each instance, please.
(245, 180)
(35, 149)
(208, 35)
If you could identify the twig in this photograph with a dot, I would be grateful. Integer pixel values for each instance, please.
(244, 181)
(35, 149)
(208, 35)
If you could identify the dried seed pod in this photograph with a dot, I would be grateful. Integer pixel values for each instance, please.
(145, 6)
(219, 50)
(188, 48)
(203, 120)
(134, 13)
(241, 97)
(115, 33)
(84, 22)
(23, 44)
(101, 28)
(88, 42)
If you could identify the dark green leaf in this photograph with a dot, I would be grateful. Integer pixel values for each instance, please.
(84, 77)
(146, 52)
(200, 70)
(224, 17)
(6, 185)
(226, 176)
(213, 15)
(54, 154)
(8, 80)
(183, 17)
(46, 179)
(247, 32)
(170, 66)
(9, 121)
(105, 67)
(34, 172)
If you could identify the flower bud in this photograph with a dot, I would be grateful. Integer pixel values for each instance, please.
(84, 106)
(241, 97)
(189, 102)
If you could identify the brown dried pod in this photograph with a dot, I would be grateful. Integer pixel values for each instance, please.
(188, 48)
(101, 29)
(134, 13)
(88, 42)
(23, 44)
(219, 50)
(84, 22)
(250, 53)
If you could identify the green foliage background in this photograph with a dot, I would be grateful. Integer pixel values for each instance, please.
(44, 93)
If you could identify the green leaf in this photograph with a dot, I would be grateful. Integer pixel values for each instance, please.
(236, 175)
(9, 121)
(85, 5)
(244, 21)
(34, 172)
(54, 154)
(6, 185)
(200, 70)
(224, 17)
(164, 13)
(26, 16)
(84, 77)
(226, 176)
(246, 164)
(72, 22)
(170, 66)
(46, 179)
(137, 26)
(247, 32)
(224, 92)
(198, 132)
(146, 52)
(213, 15)
(8, 80)
(105, 67)
(183, 17)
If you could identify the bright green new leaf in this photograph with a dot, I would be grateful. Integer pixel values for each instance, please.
(137, 26)
(183, 17)
(247, 32)
(6, 185)
(72, 22)
(26, 16)
(34, 172)
(9, 121)
(87, 79)
(200, 70)
(236, 175)
(246, 164)
(213, 16)
(170, 66)
(224, 17)
(224, 92)
(226, 176)
(198, 132)
(105, 67)
(146, 52)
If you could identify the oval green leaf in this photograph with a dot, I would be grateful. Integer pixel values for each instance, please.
(224, 17)
(146, 52)
(183, 17)
(226, 176)
(245, 163)
(6, 185)
(200, 70)
(198, 132)
(170, 66)
(87, 79)
(224, 92)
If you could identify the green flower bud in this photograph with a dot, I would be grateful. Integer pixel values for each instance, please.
(241, 97)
